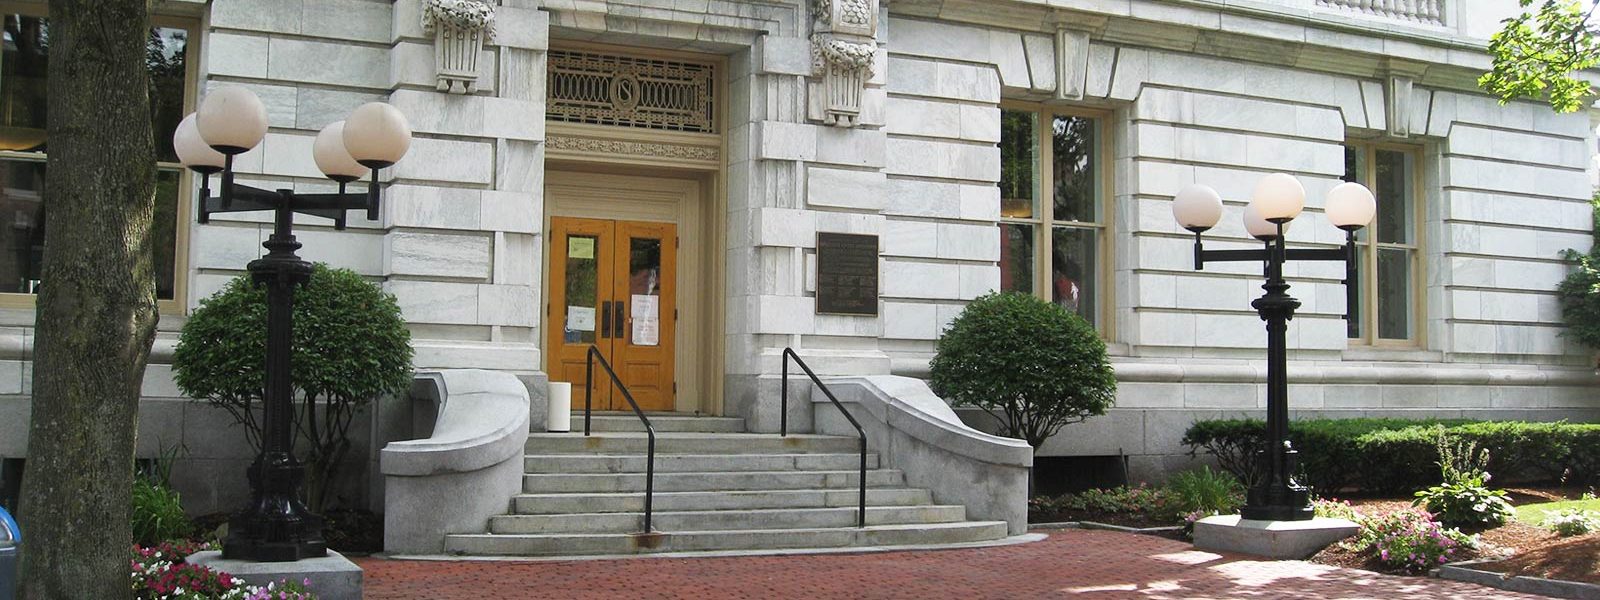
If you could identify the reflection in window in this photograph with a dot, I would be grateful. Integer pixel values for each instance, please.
(1386, 270)
(23, 147)
(1053, 253)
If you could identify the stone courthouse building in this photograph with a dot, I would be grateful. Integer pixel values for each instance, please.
(653, 177)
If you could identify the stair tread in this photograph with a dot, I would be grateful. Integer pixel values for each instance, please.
(661, 455)
(685, 493)
(817, 509)
(691, 435)
(730, 473)
(886, 527)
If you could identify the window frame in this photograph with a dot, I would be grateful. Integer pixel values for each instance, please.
(183, 212)
(1044, 221)
(1368, 246)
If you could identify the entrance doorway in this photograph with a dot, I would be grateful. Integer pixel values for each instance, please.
(613, 286)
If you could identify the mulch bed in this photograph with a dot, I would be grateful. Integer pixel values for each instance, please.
(1576, 559)
(1513, 539)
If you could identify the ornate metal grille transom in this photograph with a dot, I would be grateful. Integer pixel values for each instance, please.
(626, 91)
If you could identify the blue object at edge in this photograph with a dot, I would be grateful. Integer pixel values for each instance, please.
(10, 525)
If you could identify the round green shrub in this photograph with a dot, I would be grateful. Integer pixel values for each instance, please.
(1029, 363)
(350, 346)
(350, 341)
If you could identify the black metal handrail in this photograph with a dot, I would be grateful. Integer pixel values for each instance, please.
(788, 353)
(588, 398)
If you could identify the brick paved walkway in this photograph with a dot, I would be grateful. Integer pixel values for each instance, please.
(1094, 564)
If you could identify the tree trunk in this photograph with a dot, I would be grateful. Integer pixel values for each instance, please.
(96, 310)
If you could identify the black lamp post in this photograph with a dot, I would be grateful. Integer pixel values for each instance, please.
(276, 525)
(1278, 199)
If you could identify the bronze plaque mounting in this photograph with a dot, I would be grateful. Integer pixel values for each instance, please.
(847, 274)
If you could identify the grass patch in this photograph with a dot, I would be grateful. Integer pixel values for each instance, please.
(1534, 514)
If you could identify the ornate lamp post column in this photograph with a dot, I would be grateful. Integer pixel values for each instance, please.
(276, 525)
(1278, 199)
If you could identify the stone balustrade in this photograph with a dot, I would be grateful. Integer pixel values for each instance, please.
(1430, 12)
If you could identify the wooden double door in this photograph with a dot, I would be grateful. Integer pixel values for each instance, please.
(613, 288)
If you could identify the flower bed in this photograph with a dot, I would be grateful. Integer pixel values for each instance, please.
(160, 573)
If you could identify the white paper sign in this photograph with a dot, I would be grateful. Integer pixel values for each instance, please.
(580, 318)
(646, 320)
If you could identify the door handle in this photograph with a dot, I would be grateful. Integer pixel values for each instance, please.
(619, 321)
(605, 319)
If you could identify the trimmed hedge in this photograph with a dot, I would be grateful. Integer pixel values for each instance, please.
(1399, 456)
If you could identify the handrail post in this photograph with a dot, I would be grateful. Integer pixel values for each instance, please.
(650, 430)
(783, 406)
(588, 388)
(861, 505)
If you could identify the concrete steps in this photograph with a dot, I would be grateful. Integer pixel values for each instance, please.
(717, 488)
(708, 481)
(690, 443)
(680, 463)
(664, 423)
(724, 520)
(750, 539)
(535, 504)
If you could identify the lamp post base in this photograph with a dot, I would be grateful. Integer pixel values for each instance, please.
(1282, 512)
(276, 527)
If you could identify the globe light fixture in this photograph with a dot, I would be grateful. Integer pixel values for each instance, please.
(1197, 207)
(1351, 206)
(276, 526)
(1279, 197)
(1259, 227)
(1277, 200)
(232, 119)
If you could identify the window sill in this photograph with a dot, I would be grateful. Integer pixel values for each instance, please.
(1367, 353)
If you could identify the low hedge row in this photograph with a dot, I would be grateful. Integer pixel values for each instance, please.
(1399, 455)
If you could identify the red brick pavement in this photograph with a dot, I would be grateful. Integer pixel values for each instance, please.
(1094, 564)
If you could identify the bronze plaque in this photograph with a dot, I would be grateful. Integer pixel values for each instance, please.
(847, 274)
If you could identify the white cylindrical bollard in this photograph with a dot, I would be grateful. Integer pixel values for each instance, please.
(558, 417)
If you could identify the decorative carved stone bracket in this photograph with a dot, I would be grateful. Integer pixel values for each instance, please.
(460, 28)
(1400, 97)
(843, 47)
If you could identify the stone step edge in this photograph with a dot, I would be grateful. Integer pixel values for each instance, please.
(686, 474)
(883, 527)
(1025, 538)
(807, 509)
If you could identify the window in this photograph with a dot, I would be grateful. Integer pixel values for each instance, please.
(1053, 251)
(23, 148)
(1387, 270)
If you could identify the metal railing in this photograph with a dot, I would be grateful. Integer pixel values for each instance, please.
(588, 405)
(788, 353)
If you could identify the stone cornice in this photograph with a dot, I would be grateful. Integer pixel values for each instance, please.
(1315, 38)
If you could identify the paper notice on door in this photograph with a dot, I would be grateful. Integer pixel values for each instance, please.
(580, 318)
(646, 320)
(582, 248)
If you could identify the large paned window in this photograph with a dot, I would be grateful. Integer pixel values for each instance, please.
(24, 70)
(1052, 207)
(1388, 271)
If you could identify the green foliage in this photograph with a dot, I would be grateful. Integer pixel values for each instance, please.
(350, 346)
(1579, 292)
(1466, 504)
(1206, 491)
(1536, 55)
(1128, 500)
(1400, 456)
(1568, 522)
(1410, 540)
(157, 514)
(1029, 363)
(1336, 509)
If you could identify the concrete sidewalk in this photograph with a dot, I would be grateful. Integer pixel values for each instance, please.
(1094, 564)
